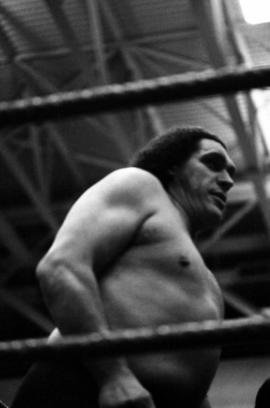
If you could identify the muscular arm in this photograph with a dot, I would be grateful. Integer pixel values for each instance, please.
(95, 233)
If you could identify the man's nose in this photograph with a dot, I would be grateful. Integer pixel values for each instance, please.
(225, 181)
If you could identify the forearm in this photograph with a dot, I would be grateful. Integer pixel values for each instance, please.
(71, 293)
(101, 370)
(76, 308)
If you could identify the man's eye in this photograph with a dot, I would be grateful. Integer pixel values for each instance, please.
(215, 163)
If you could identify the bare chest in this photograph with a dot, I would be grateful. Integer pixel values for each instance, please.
(161, 279)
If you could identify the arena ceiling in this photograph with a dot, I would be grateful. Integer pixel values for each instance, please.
(49, 46)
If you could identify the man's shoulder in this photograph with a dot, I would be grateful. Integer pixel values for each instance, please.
(134, 178)
(135, 174)
(131, 183)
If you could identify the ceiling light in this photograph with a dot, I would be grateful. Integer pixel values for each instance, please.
(255, 11)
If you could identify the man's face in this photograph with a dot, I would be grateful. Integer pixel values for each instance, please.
(201, 186)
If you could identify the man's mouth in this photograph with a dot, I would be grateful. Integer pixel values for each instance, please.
(220, 198)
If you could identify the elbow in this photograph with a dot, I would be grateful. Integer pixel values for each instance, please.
(56, 272)
(54, 280)
(42, 268)
(47, 271)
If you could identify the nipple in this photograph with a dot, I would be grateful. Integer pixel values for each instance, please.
(183, 261)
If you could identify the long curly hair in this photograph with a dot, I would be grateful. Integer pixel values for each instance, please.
(172, 148)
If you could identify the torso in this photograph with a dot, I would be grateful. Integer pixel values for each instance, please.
(162, 279)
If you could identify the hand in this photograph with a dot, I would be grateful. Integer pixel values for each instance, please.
(123, 391)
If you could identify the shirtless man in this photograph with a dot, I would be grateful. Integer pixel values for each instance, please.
(125, 257)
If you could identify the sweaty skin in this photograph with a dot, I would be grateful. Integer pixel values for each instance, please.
(125, 258)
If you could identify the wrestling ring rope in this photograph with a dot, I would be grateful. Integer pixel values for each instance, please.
(133, 94)
(255, 329)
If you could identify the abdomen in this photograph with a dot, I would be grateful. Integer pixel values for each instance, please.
(139, 299)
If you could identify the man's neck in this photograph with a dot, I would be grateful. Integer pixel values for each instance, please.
(191, 224)
(176, 202)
